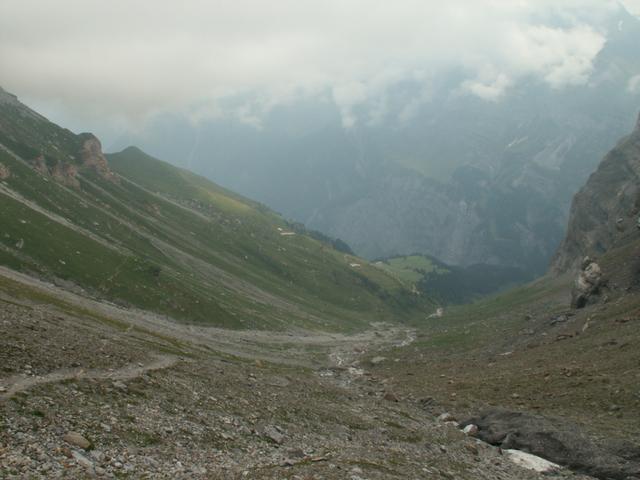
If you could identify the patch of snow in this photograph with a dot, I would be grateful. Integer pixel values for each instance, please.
(517, 141)
(634, 84)
(531, 462)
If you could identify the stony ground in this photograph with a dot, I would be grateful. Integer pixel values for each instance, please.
(530, 353)
(583, 365)
(84, 393)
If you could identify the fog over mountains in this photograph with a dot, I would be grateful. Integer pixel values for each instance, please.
(320, 239)
(463, 143)
(427, 167)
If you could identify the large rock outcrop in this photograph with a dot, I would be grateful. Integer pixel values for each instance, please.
(5, 172)
(66, 172)
(92, 157)
(61, 171)
(559, 441)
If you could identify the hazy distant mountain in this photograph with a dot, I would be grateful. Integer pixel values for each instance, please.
(428, 169)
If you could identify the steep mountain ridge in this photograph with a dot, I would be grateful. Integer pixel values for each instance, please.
(137, 231)
(604, 213)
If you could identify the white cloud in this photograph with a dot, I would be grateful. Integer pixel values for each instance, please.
(634, 84)
(491, 89)
(412, 106)
(138, 58)
(562, 57)
(633, 6)
(346, 97)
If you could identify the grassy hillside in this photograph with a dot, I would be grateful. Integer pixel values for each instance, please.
(160, 238)
(451, 284)
(412, 268)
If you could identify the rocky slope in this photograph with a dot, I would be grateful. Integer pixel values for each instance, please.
(531, 373)
(89, 390)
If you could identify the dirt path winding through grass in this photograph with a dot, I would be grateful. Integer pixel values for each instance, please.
(20, 383)
(296, 347)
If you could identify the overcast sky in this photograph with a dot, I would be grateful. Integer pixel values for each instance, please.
(125, 60)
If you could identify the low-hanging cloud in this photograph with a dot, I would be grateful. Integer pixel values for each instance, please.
(134, 59)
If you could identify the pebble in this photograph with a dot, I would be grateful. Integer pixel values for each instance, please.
(391, 397)
(119, 385)
(76, 439)
(274, 435)
(82, 460)
(296, 453)
(472, 449)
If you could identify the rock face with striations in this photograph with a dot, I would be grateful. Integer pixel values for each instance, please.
(605, 211)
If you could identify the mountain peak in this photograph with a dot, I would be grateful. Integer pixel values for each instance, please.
(133, 149)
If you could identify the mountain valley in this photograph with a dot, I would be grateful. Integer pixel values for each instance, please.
(156, 325)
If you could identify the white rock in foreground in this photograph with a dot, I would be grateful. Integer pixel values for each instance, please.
(531, 462)
(471, 430)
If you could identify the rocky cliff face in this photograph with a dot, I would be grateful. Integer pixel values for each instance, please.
(92, 157)
(511, 220)
(604, 213)
(46, 147)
